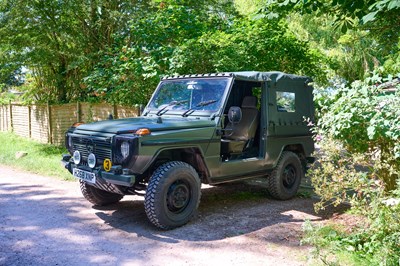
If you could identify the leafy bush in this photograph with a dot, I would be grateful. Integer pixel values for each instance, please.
(359, 163)
(365, 121)
(377, 243)
(6, 97)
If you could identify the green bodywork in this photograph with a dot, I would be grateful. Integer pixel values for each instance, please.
(186, 132)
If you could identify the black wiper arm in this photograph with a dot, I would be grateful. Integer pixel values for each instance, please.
(200, 104)
(160, 112)
(173, 103)
(188, 112)
(206, 103)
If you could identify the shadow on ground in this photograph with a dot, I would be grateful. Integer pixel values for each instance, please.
(225, 211)
(50, 224)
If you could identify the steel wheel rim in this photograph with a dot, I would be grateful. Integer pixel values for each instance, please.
(178, 196)
(289, 176)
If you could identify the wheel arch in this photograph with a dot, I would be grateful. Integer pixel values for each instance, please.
(297, 149)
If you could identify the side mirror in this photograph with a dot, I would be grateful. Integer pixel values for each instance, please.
(234, 114)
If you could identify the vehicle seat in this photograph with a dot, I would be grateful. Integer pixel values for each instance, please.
(239, 136)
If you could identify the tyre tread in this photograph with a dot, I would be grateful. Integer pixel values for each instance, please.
(274, 180)
(97, 196)
(151, 193)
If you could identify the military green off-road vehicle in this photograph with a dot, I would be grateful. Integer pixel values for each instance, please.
(211, 129)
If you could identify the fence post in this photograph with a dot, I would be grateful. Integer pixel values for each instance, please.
(50, 126)
(29, 122)
(78, 112)
(115, 111)
(11, 117)
(140, 109)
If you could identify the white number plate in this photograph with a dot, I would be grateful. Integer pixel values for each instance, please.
(84, 175)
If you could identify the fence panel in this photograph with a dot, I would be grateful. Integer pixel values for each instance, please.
(62, 117)
(48, 123)
(124, 112)
(101, 111)
(39, 123)
(20, 120)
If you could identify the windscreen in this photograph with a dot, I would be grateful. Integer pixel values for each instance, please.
(197, 94)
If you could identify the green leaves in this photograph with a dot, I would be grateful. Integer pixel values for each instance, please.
(60, 41)
(369, 17)
(366, 120)
(180, 39)
(129, 70)
(359, 156)
(249, 44)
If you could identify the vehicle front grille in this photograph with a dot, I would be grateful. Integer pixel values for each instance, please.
(101, 147)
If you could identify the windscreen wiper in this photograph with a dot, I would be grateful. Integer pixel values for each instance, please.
(200, 104)
(165, 108)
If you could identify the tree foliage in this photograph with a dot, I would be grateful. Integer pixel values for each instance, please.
(250, 44)
(179, 37)
(59, 40)
(117, 50)
(348, 14)
(357, 36)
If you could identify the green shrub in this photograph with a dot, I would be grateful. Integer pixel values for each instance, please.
(365, 121)
(6, 97)
(359, 163)
(376, 241)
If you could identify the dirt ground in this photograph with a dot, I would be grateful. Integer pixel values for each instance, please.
(46, 221)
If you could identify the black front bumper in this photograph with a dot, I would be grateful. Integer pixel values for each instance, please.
(116, 175)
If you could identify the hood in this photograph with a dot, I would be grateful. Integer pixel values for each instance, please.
(130, 125)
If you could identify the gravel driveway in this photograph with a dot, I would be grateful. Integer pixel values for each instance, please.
(45, 221)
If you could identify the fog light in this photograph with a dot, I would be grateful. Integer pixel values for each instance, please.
(91, 160)
(77, 157)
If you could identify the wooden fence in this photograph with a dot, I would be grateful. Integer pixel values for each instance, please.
(48, 123)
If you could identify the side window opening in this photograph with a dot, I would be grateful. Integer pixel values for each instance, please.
(256, 91)
(241, 140)
(242, 89)
(286, 101)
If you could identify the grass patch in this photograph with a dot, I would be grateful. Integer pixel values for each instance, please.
(329, 247)
(43, 159)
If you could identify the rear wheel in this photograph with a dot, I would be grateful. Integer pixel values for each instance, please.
(284, 181)
(97, 196)
(173, 195)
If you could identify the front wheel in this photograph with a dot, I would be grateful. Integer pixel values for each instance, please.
(284, 181)
(173, 195)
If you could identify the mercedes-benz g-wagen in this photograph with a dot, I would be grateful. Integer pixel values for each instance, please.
(209, 128)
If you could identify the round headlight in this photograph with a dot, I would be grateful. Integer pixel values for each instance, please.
(91, 160)
(125, 149)
(77, 157)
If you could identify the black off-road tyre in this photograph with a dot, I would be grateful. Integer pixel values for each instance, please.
(173, 195)
(284, 181)
(97, 196)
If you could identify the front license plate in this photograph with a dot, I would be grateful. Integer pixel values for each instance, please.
(84, 175)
